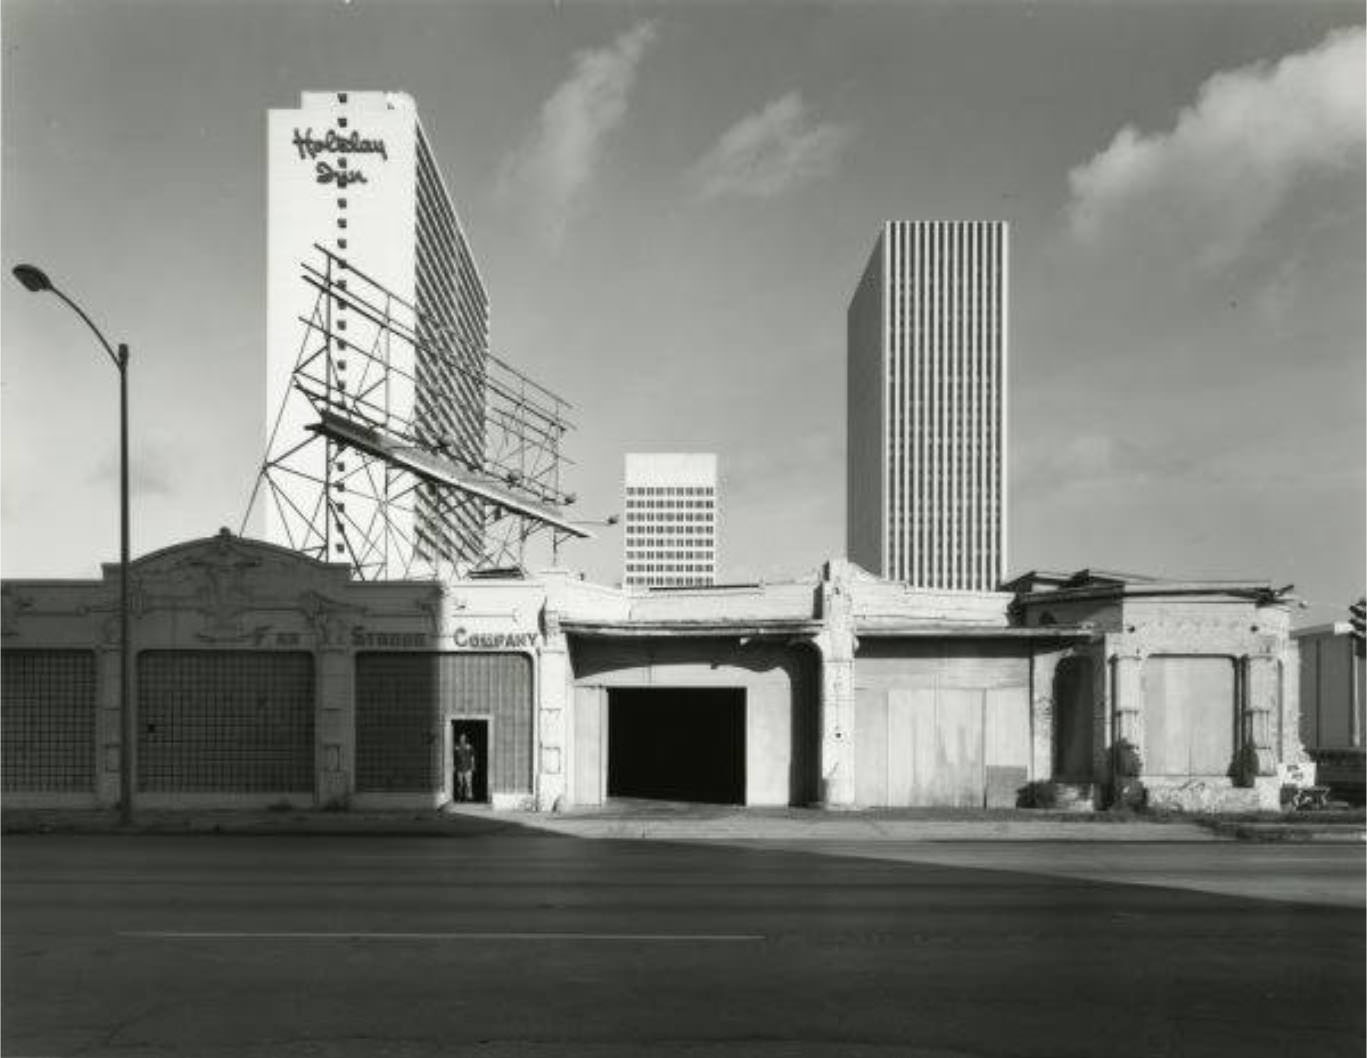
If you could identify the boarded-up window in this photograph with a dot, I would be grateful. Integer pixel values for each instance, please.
(404, 699)
(48, 714)
(1189, 715)
(232, 721)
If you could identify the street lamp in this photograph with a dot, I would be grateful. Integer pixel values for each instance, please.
(36, 281)
(611, 519)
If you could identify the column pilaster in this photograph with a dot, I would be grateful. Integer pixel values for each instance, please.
(1125, 763)
(108, 725)
(1128, 722)
(837, 645)
(1043, 672)
(335, 773)
(1261, 701)
(553, 683)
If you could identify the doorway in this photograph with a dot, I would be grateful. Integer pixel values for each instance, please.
(1074, 724)
(677, 744)
(476, 733)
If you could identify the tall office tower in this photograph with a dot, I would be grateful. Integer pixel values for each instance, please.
(670, 520)
(355, 196)
(926, 416)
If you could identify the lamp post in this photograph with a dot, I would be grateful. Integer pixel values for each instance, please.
(611, 519)
(36, 281)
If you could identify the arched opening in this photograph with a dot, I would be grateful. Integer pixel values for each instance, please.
(1073, 719)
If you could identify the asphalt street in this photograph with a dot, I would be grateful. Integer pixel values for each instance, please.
(525, 944)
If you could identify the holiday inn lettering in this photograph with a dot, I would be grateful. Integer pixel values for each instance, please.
(334, 142)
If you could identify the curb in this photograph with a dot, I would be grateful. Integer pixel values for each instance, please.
(726, 828)
(827, 830)
(879, 831)
(1270, 833)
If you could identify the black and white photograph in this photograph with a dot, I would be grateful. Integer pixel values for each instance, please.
(701, 528)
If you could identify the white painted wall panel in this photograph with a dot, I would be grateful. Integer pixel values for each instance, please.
(768, 745)
(589, 756)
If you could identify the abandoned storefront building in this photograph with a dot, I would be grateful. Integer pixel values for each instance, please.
(263, 677)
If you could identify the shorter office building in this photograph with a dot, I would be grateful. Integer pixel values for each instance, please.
(263, 677)
(669, 522)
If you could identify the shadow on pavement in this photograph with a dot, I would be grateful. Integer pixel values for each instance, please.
(447, 822)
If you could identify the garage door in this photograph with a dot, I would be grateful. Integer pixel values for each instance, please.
(940, 747)
(677, 744)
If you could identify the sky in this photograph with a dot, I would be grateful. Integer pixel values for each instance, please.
(671, 203)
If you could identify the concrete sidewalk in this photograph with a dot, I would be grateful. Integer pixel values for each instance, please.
(688, 823)
(857, 826)
(884, 827)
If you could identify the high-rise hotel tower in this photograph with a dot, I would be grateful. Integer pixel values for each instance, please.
(354, 174)
(670, 520)
(927, 349)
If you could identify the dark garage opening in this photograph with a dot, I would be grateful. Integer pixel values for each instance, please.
(677, 744)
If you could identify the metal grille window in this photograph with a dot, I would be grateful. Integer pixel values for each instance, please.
(225, 721)
(403, 701)
(48, 720)
(397, 712)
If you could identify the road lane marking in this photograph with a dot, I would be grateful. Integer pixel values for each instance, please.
(306, 935)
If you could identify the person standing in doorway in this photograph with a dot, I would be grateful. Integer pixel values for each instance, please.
(465, 769)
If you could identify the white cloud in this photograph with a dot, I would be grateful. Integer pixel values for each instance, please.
(554, 165)
(152, 466)
(1232, 158)
(770, 151)
(1090, 459)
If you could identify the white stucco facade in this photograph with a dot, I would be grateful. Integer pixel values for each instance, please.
(263, 677)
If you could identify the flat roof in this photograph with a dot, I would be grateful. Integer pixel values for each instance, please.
(741, 626)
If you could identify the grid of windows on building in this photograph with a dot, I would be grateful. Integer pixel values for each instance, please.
(48, 722)
(670, 536)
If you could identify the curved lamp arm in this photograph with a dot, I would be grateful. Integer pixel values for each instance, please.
(120, 358)
(34, 279)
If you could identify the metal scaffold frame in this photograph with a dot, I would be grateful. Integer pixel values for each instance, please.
(354, 473)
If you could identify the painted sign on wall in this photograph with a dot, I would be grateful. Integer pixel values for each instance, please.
(462, 639)
(310, 146)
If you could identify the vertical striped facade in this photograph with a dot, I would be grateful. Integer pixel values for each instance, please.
(452, 356)
(927, 409)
